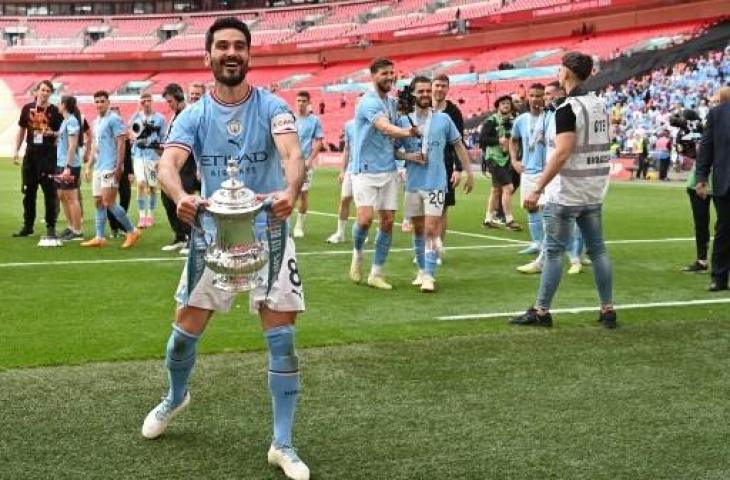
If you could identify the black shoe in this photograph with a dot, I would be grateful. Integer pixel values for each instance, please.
(514, 226)
(490, 224)
(716, 286)
(116, 234)
(66, 235)
(531, 318)
(695, 267)
(23, 232)
(608, 319)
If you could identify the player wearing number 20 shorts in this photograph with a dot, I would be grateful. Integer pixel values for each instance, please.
(426, 180)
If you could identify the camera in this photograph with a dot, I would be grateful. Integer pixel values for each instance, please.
(406, 100)
(143, 131)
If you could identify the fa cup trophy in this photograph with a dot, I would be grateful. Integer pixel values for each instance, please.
(235, 255)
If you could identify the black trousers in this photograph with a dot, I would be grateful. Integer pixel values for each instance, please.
(125, 196)
(180, 229)
(664, 168)
(642, 168)
(36, 173)
(701, 217)
(721, 245)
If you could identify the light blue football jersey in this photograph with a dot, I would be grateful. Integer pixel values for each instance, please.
(373, 152)
(431, 176)
(70, 126)
(106, 131)
(156, 119)
(215, 132)
(309, 129)
(349, 132)
(525, 126)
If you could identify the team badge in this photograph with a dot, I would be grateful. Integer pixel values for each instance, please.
(234, 127)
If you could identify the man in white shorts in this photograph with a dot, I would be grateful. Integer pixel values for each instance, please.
(375, 178)
(311, 136)
(527, 154)
(426, 180)
(216, 130)
(345, 179)
(147, 134)
(107, 161)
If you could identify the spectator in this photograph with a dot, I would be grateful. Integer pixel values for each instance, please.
(662, 149)
(39, 121)
(715, 158)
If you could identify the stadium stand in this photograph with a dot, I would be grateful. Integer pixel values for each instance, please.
(137, 27)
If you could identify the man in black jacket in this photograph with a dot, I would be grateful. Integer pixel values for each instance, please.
(454, 168)
(715, 155)
(175, 98)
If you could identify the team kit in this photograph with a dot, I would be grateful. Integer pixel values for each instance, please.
(410, 145)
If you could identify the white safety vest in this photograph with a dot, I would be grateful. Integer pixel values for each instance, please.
(583, 180)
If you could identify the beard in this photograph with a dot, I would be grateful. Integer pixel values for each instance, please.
(220, 72)
(424, 102)
(385, 85)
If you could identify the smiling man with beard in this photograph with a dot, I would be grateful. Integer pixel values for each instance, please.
(375, 177)
(237, 121)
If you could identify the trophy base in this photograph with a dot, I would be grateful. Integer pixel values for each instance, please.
(236, 283)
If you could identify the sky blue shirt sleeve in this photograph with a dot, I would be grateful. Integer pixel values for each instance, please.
(371, 109)
(182, 133)
(72, 126)
(318, 130)
(117, 126)
(516, 127)
(281, 117)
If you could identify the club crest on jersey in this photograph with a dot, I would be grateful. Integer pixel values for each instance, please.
(234, 127)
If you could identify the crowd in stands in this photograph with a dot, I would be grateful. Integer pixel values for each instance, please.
(642, 110)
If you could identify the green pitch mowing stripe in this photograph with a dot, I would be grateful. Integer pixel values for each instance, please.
(642, 402)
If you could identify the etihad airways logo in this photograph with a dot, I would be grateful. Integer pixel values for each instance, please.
(214, 161)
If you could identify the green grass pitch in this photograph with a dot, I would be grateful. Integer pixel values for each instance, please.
(391, 391)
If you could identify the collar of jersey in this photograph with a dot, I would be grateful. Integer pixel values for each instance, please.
(240, 102)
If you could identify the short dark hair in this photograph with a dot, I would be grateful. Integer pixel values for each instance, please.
(441, 77)
(578, 63)
(145, 95)
(419, 79)
(224, 23)
(379, 64)
(101, 93)
(174, 90)
(504, 98)
(537, 86)
(47, 83)
(303, 93)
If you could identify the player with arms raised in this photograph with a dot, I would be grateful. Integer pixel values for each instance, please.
(253, 126)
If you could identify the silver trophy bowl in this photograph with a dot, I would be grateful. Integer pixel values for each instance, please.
(235, 256)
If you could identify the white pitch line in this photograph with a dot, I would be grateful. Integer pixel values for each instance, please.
(315, 253)
(453, 232)
(173, 259)
(628, 306)
(649, 240)
(91, 262)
